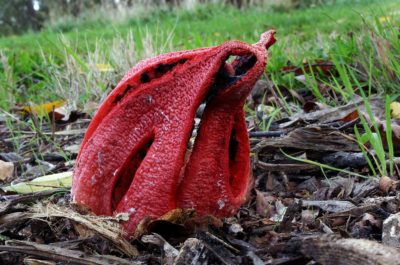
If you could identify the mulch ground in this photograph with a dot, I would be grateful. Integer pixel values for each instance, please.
(300, 209)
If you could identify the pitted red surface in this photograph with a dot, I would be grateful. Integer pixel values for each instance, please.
(142, 129)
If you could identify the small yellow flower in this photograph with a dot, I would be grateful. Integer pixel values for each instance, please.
(104, 67)
(384, 19)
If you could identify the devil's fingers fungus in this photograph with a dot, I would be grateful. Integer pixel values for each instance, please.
(132, 158)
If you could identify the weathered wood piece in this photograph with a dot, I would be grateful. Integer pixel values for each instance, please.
(193, 251)
(311, 138)
(60, 254)
(391, 231)
(287, 167)
(12, 200)
(332, 206)
(345, 159)
(333, 114)
(330, 250)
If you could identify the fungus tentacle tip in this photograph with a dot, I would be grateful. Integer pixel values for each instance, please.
(267, 39)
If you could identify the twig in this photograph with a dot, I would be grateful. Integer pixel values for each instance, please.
(267, 134)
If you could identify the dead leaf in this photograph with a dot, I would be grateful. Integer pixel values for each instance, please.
(169, 252)
(351, 116)
(264, 204)
(83, 231)
(43, 109)
(6, 170)
(178, 216)
(311, 106)
(235, 228)
(308, 216)
(386, 184)
(47, 182)
(280, 211)
(366, 226)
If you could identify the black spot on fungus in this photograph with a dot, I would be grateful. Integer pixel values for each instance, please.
(119, 97)
(233, 146)
(145, 78)
(162, 69)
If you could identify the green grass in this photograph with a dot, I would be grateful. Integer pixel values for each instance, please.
(41, 66)
(359, 39)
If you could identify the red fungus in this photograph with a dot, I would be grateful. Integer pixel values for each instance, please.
(133, 152)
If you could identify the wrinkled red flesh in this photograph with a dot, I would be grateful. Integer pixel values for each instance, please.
(216, 179)
(128, 170)
(133, 154)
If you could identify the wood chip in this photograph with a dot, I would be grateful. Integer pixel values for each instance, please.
(332, 206)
